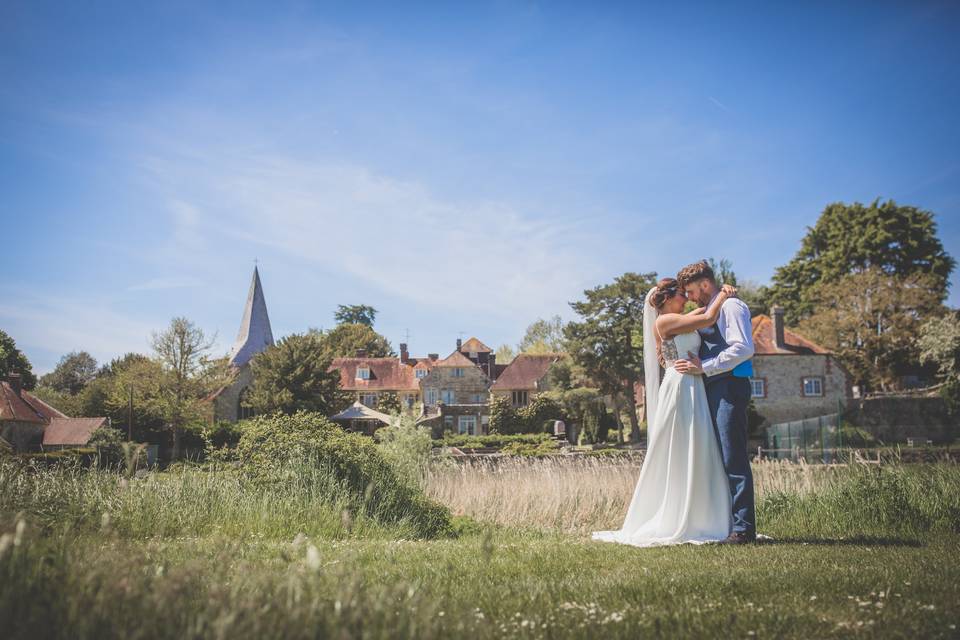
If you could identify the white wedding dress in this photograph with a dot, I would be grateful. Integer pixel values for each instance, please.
(683, 495)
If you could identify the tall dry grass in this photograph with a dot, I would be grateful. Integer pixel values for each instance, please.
(580, 494)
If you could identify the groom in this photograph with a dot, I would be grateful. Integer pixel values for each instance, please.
(724, 360)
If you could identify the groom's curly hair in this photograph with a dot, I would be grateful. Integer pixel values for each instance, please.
(696, 271)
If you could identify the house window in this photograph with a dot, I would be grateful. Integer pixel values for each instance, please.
(447, 396)
(368, 400)
(478, 398)
(473, 355)
(813, 387)
(431, 396)
(467, 425)
(458, 373)
(363, 373)
(422, 373)
(519, 398)
(758, 387)
(244, 411)
(411, 399)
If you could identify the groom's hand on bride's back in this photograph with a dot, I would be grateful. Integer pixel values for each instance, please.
(690, 365)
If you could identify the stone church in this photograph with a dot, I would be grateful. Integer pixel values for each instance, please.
(254, 336)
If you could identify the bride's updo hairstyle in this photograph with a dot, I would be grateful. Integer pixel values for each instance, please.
(666, 289)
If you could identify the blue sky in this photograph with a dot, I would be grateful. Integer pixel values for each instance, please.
(460, 169)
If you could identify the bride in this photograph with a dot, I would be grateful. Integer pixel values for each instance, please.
(682, 494)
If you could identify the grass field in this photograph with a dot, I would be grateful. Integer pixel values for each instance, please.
(858, 550)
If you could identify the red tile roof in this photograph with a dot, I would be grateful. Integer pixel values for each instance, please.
(765, 343)
(525, 371)
(71, 431)
(386, 374)
(456, 359)
(22, 407)
(475, 346)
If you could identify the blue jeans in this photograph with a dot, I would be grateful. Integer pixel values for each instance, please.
(728, 398)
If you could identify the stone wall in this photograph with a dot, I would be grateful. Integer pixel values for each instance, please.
(466, 389)
(227, 403)
(893, 419)
(783, 376)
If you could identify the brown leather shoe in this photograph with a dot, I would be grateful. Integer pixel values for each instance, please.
(739, 537)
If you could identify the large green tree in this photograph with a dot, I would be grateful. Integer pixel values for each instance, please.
(346, 339)
(543, 336)
(189, 376)
(73, 372)
(870, 320)
(12, 360)
(355, 314)
(293, 375)
(850, 239)
(607, 343)
(939, 344)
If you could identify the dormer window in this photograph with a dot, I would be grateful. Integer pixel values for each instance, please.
(458, 373)
(363, 373)
(422, 373)
(473, 355)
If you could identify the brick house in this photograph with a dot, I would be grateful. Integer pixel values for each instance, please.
(794, 377)
(27, 423)
(524, 378)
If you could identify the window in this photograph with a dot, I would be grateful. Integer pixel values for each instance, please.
(467, 425)
(813, 387)
(422, 373)
(478, 398)
(447, 396)
(431, 397)
(473, 355)
(244, 411)
(368, 400)
(758, 387)
(363, 373)
(411, 399)
(458, 373)
(519, 398)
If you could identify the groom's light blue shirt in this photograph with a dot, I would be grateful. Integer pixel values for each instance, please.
(735, 327)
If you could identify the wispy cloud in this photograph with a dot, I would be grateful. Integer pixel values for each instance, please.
(718, 104)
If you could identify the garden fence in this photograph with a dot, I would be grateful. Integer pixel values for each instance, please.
(816, 439)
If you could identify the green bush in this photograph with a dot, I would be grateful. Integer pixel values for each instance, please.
(407, 448)
(493, 441)
(526, 449)
(307, 447)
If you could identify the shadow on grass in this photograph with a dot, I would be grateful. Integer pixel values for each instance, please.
(857, 541)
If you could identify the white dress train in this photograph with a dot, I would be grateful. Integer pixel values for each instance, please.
(682, 495)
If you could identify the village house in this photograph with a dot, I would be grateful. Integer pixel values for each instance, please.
(794, 378)
(524, 378)
(456, 392)
(371, 379)
(27, 423)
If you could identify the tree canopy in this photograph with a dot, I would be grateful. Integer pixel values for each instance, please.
(607, 344)
(849, 239)
(12, 360)
(355, 314)
(73, 372)
(544, 336)
(346, 339)
(293, 375)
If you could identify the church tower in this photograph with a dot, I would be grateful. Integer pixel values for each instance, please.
(255, 334)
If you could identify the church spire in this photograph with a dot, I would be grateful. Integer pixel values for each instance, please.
(255, 334)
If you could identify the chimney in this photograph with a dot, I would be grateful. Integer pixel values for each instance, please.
(492, 366)
(14, 380)
(777, 313)
(433, 356)
(404, 354)
(459, 344)
(361, 353)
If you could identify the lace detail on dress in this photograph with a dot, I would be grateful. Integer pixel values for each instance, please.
(669, 350)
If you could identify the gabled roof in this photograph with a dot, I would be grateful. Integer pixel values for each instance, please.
(474, 346)
(71, 431)
(255, 334)
(426, 363)
(456, 359)
(358, 411)
(23, 407)
(525, 371)
(765, 340)
(386, 374)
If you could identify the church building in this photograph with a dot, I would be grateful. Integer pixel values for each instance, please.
(254, 337)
